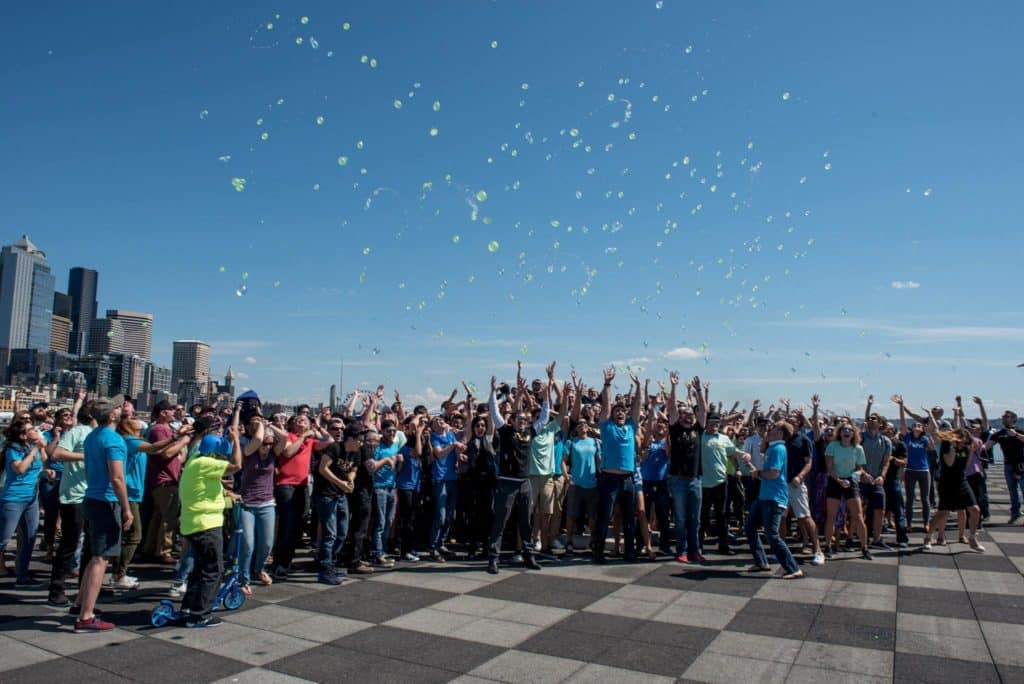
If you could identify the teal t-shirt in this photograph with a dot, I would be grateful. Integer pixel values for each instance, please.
(542, 450)
(134, 469)
(618, 445)
(72, 483)
(776, 490)
(102, 447)
(716, 450)
(583, 455)
(845, 459)
(21, 487)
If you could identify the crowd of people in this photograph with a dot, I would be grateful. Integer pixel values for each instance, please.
(529, 470)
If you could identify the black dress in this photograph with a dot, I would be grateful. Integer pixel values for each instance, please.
(954, 492)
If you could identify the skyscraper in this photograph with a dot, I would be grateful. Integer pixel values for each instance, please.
(26, 297)
(82, 286)
(106, 336)
(60, 334)
(190, 363)
(136, 330)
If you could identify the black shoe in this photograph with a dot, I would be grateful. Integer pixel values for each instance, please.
(866, 554)
(28, 582)
(882, 545)
(599, 559)
(208, 621)
(530, 563)
(58, 600)
(517, 558)
(492, 567)
(726, 551)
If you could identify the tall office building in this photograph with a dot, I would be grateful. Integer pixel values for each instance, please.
(26, 297)
(60, 333)
(136, 331)
(190, 363)
(82, 286)
(106, 336)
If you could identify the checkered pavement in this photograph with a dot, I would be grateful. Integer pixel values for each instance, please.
(948, 615)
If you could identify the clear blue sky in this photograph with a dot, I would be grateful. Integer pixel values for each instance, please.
(119, 118)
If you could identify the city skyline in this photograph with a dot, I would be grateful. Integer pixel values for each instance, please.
(736, 190)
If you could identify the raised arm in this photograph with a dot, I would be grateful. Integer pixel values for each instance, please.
(497, 422)
(700, 409)
(898, 400)
(606, 395)
(77, 406)
(467, 431)
(867, 408)
(815, 423)
(958, 412)
(399, 408)
(981, 410)
(638, 400)
(350, 407)
(673, 401)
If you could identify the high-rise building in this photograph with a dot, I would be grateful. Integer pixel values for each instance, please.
(82, 286)
(156, 384)
(106, 336)
(26, 297)
(136, 331)
(97, 370)
(127, 374)
(60, 325)
(190, 363)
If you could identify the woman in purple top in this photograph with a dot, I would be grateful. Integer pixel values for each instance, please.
(257, 491)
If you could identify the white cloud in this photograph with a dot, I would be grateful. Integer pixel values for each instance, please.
(241, 376)
(683, 353)
(634, 361)
(249, 360)
(429, 397)
(905, 285)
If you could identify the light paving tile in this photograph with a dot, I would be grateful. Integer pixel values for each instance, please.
(432, 621)
(887, 591)
(1004, 641)
(940, 646)
(496, 632)
(930, 624)
(451, 583)
(260, 676)
(649, 594)
(932, 578)
(58, 636)
(641, 610)
(623, 574)
(859, 661)
(599, 674)
(716, 601)
(999, 536)
(519, 666)
(862, 601)
(993, 582)
(247, 644)
(18, 654)
(801, 674)
(755, 646)
(696, 616)
(324, 628)
(789, 591)
(528, 614)
(712, 667)
(269, 617)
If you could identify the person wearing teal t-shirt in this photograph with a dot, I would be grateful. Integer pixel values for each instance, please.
(771, 503)
(23, 461)
(845, 461)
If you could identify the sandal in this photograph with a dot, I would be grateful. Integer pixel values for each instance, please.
(247, 590)
(794, 575)
(759, 568)
(265, 579)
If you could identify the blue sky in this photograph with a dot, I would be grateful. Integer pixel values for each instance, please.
(813, 197)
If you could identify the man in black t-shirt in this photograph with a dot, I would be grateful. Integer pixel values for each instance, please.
(799, 458)
(1011, 443)
(332, 482)
(686, 426)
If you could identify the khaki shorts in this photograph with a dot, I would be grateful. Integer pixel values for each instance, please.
(798, 501)
(543, 494)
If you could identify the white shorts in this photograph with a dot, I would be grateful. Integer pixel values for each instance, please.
(798, 501)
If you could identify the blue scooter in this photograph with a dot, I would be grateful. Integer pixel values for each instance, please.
(230, 596)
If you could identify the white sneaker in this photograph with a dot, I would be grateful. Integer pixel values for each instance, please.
(927, 546)
(410, 557)
(973, 541)
(126, 582)
(818, 558)
(537, 546)
(178, 590)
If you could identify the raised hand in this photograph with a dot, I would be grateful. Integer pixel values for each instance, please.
(609, 375)
(635, 379)
(551, 370)
(897, 399)
(673, 378)
(976, 400)
(815, 401)
(871, 399)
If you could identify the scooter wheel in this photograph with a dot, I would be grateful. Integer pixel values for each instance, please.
(234, 599)
(161, 615)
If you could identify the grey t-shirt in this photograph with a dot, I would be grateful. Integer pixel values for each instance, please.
(876, 448)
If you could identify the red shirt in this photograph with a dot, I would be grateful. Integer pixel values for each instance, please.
(295, 470)
(158, 471)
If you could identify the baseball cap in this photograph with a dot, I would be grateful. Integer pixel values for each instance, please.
(713, 416)
(38, 404)
(354, 430)
(101, 408)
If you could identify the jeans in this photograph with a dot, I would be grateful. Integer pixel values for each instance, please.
(22, 516)
(291, 505)
(717, 497)
(359, 506)
(257, 540)
(686, 498)
(445, 498)
(656, 501)
(383, 516)
(615, 488)
(894, 502)
(407, 501)
(71, 525)
(333, 514)
(1014, 484)
(49, 501)
(204, 580)
(511, 496)
(768, 514)
(918, 480)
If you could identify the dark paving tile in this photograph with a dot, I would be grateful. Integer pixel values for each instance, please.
(330, 664)
(1011, 673)
(976, 561)
(356, 607)
(600, 624)
(857, 616)
(909, 667)
(998, 607)
(559, 592)
(728, 582)
(918, 559)
(789, 627)
(564, 643)
(677, 636)
(424, 649)
(850, 634)
(868, 573)
(156, 661)
(938, 602)
(657, 659)
(63, 670)
(1013, 549)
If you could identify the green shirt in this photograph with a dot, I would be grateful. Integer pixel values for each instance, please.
(845, 459)
(715, 452)
(201, 494)
(542, 450)
(72, 482)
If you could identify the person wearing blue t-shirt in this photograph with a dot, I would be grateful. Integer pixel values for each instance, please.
(917, 475)
(771, 504)
(408, 484)
(580, 464)
(618, 458)
(386, 460)
(654, 470)
(445, 448)
(23, 462)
